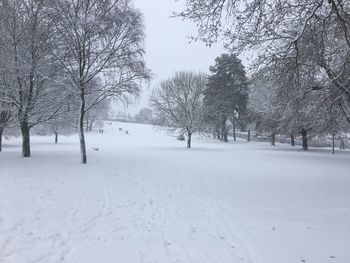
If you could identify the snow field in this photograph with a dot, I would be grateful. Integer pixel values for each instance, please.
(143, 197)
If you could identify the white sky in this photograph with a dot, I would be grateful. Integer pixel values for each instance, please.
(167, 45)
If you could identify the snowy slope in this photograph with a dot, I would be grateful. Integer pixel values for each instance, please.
(143, 197)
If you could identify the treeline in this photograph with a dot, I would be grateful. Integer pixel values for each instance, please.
(60, 60)
(300, 63)
(295, 101)
(278, 100)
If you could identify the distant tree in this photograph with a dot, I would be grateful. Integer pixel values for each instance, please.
(332, 123)
(5, 110)
(145, 115)
(178, 102)
(280, 103)
(98, 112)
(285, 99)
(66, 120)
(5, 115)
(226, 95)
(263, 108)
(102, 41)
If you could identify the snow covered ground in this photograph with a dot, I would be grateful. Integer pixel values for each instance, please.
(143, 197)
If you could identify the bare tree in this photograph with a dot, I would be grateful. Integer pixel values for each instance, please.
(98, 40)
(5, 115)
(263, 106)
(283, 100)
(96, 113)
(145, 115)
(178, 102)
(313, 33)
(65, 121)
(5, 109)
(28, 68)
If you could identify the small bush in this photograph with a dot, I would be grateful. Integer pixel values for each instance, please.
(180, 137)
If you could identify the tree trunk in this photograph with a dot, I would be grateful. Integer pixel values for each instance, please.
(87, 125)
(333, 142)
(189, 140)
(273, 139)
(25, 130)
(248, 138)
(292, 140)
(81, 129)
(304, 139)
(1, 131)
(234, 129)
(218, 127)
(224, 130)
(225, 136)
(90, 125)
(4, 118)
(56, 137)
(257, 127)
(341, 143)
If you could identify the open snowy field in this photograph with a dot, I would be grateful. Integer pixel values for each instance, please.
(144, 197)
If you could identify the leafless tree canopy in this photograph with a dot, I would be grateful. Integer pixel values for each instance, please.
(309, 33)
(54, 51)
(178, 102)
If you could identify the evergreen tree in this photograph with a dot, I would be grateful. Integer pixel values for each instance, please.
(226, 95)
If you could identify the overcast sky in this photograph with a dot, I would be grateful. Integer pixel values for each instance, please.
(167, 45)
